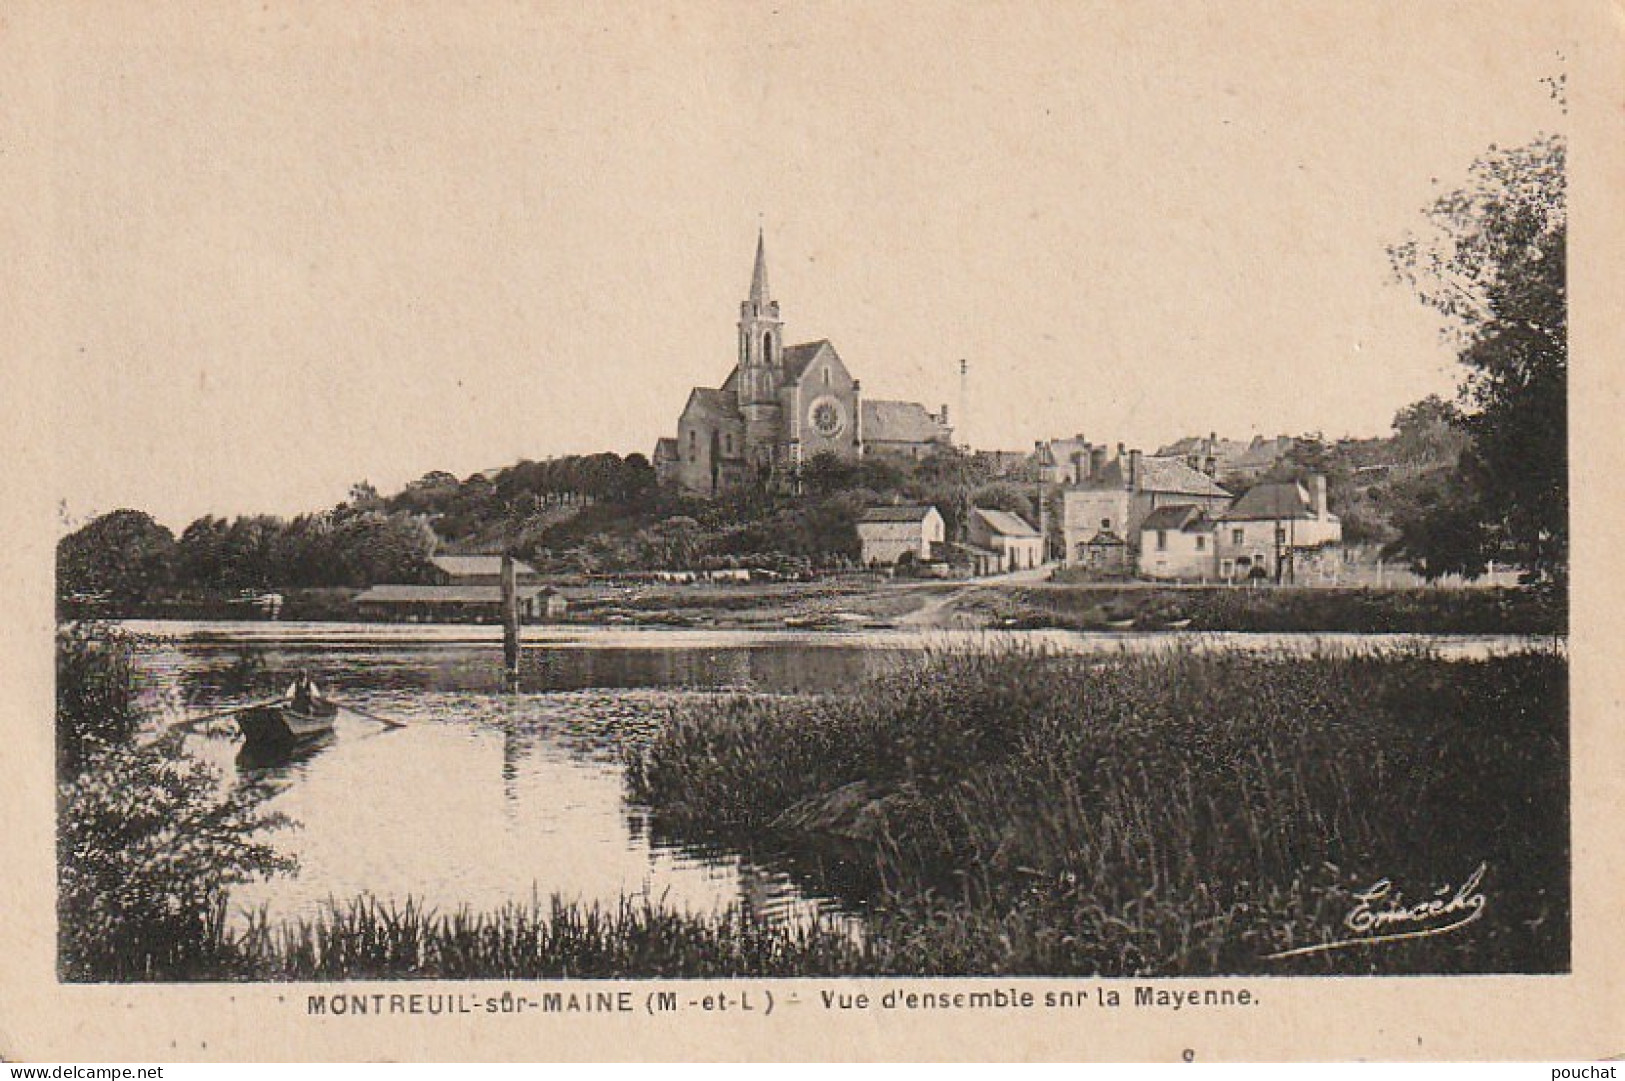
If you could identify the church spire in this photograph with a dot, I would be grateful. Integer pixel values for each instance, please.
(758, 277)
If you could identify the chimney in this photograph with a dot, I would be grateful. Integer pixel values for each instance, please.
(944, 412)
(1211, 466)
(1134, 470)
(1317, 495)
(1097, 461)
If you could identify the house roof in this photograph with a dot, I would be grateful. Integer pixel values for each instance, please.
(666, 449)
(1159, 474)
(408, 594)
(1180, 516)
(1275, 500)
(900, 422)
(1105, 537)
(1005, 523)
(465, 566)
(896, 514)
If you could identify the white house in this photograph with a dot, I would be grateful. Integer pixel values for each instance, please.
(887, 533)
(1014, 544)
(1177, 542)
(1273, 528)
(1105, 512)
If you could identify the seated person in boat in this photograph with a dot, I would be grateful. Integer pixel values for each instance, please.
(303, 692)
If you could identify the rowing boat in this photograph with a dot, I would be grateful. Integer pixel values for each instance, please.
(281, 723)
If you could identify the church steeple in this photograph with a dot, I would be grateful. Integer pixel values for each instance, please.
(758, 277)
(761, 343)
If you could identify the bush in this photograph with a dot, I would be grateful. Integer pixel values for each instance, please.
(96, 688)
(147, 849)
(147, 843)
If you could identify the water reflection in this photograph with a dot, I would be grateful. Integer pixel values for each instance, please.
(486, 798)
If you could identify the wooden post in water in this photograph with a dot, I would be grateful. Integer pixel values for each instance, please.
(510, 622)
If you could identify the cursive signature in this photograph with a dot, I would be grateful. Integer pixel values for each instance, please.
(1381, 914)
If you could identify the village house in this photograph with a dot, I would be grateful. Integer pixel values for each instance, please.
(1069, 462)
(1177, 542)
(888, 534)
(1230, 458)
(448, 570)
(1102, 516)
(1002, 541)
(458, 603)
(1274, 530)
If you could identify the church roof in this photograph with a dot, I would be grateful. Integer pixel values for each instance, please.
(899, 422)
(797, 357)
(711, 401)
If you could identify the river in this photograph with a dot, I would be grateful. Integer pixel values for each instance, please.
(485, 797)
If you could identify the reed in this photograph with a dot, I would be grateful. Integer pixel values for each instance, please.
(367, 939)
(1181, 813)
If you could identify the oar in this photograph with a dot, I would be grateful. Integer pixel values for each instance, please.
(364, 713)
(190, 721)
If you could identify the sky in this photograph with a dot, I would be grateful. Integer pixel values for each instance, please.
(299, 246)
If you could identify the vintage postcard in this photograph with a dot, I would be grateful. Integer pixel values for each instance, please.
(735, 531)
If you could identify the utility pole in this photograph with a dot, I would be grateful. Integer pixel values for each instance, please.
(510, 622)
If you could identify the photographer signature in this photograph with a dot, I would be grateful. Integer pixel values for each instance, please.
(1381, 914)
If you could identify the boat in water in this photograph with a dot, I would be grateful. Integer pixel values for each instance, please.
(285, 724)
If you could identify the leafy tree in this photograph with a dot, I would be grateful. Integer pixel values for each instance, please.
(1494, 264)
(125, 554)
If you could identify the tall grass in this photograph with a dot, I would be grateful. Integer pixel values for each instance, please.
(367, 939)
(1178, 813)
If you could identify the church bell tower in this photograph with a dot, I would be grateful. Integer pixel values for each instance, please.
(761, 360)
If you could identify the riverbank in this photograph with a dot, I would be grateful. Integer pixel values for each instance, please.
(1271, 609)
(1162, 815)
(1007, 602)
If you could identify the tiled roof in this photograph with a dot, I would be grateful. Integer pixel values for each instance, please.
(899, 422)
(1157, 474)
(896, 514)
(1271, 501)
(1181, 516)
(405, 594)
(1005, 523)
(465, 566)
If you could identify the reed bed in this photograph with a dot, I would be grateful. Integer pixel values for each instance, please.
(1179, 813)
(368, 939)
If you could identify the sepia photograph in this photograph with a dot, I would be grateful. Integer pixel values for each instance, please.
(1037, 500)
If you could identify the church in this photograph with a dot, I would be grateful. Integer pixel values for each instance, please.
(782, 405)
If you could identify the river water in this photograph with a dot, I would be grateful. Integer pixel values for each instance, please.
(485, 797)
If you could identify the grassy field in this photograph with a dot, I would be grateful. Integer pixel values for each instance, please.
(1175, 815)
